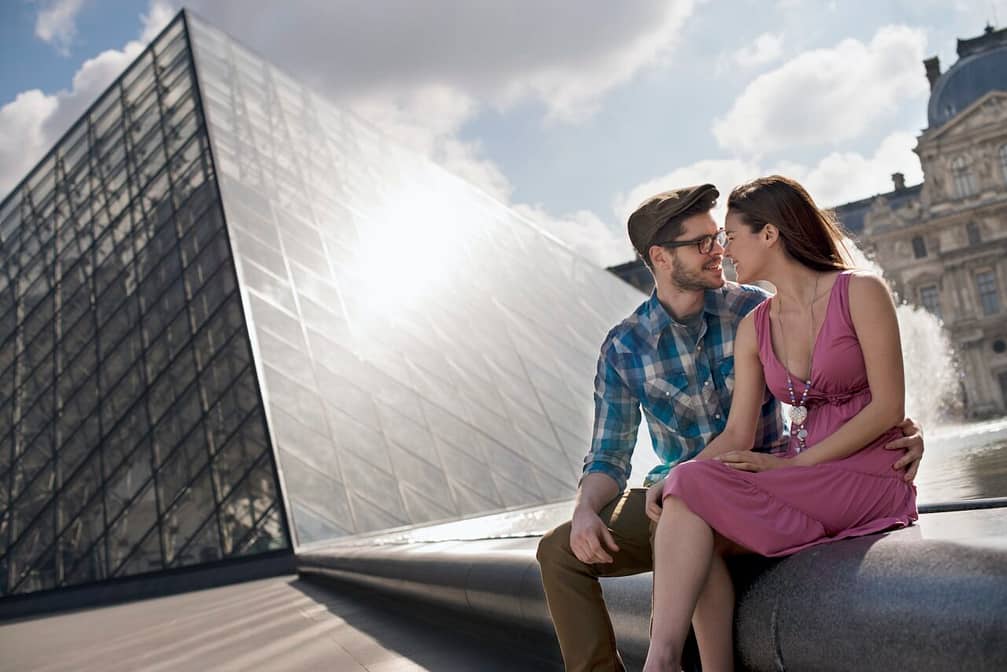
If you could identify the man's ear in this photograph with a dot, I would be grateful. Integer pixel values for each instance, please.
(658, 256)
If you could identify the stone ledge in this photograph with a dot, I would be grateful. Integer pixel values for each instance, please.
(884, 602)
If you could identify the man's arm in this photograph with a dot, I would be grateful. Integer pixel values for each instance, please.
(590, 539)
(912, 443)
(607, 466)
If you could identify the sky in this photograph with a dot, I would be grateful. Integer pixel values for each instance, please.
(569, 112)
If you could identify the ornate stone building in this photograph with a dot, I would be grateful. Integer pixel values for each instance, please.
(943, 243)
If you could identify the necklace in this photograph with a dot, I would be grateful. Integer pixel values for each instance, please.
(799, 411)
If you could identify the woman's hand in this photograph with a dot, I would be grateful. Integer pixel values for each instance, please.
(749, 460)
(655, 500)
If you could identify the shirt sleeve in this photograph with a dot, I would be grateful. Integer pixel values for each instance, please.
(771, 436)
(616, 420)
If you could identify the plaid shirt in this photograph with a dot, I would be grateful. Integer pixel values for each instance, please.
(684, 386)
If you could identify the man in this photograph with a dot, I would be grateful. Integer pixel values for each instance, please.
(673, 357)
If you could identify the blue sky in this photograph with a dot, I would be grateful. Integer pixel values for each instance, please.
(569, 112)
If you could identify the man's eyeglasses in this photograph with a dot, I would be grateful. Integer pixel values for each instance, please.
(704, 243)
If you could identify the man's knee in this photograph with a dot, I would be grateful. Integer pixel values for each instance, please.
(554, 545)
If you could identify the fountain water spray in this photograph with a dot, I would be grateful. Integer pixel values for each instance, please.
(933, 392)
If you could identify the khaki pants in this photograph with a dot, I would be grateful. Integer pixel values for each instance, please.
(573, 592)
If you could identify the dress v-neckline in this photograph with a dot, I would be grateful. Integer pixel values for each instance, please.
(818, 336)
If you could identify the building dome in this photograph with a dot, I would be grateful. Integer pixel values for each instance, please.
(981, 68)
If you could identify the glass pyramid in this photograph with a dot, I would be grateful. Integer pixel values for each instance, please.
(236, 319)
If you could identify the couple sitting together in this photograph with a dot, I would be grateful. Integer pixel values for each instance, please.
(709, 363)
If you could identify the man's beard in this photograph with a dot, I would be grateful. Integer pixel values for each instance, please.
(694, 280)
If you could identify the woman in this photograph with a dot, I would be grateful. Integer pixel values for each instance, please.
(827, 344)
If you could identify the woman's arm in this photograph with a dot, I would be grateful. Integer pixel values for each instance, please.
(873, 313)
(749, 393)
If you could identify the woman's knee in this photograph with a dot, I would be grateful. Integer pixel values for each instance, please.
(672, 504)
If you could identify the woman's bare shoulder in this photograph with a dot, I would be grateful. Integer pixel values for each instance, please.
(746, 338)
(868, 285)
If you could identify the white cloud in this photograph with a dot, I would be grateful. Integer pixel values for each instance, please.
(725, 174)
(428, 120)
(585, 233)
(34, 120)
(56, 23)
(766, 49)
(572, 90)
(826, 96)
(841, 177)
(564, 60)
(158, 15)
(22, 139)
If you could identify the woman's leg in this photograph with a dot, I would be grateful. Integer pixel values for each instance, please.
(683, 548)
(713, 619)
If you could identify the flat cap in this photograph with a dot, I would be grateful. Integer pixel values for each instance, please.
(659, 209)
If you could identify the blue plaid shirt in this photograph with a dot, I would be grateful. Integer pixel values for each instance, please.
(683, 385)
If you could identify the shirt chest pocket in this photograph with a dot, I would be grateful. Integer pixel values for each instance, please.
(723, 380)
(668, 400)
(725, 375)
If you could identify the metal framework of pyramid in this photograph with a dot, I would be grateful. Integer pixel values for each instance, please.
(235, 319)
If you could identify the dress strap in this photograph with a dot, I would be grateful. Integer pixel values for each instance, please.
(842, 303)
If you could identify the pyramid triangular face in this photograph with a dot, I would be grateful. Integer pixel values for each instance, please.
(424, 352)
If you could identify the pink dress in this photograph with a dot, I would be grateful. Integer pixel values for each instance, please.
(785, 510)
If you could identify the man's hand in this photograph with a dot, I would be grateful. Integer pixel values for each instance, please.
(749, 460)
(590, 539)
(912, 443)
(655, 500)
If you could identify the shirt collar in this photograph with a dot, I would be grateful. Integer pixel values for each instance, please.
(715, 302)
(655, 320)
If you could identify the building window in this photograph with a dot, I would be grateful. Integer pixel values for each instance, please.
(919, 247)
(931, 300)
(1003, 162)
(975, 237)
(989, 297)
(965, 181)
(999, 347)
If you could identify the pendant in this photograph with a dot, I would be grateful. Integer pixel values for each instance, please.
(803, 434)
(798, 414)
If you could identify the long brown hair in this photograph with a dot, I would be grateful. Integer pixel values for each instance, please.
(810, 235)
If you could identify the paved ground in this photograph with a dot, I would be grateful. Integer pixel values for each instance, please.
(273, 624)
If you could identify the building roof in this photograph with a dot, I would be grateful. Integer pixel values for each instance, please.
(851, 215)
(981, 68)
